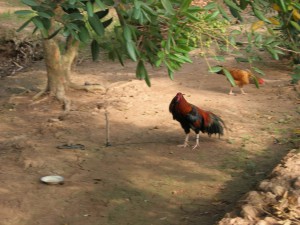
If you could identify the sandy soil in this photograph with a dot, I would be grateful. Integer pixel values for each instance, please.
(143, 178)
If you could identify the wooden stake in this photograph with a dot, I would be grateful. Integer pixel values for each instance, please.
(107, 144)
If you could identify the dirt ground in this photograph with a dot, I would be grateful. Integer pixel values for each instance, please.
(143, 178)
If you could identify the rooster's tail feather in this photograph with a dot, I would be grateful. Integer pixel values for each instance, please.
(216, 126)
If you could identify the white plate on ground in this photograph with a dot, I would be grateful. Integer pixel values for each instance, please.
(53, 179)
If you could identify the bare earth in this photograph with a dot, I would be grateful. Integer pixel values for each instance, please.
(143, 178)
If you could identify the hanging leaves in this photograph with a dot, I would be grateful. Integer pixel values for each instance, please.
(168, 6)
(96, 25)
(142, 73)
(229, 77)
(95, 48)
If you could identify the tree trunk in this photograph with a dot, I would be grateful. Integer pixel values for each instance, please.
(58, 67)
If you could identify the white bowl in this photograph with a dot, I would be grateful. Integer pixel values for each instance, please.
(53, 179)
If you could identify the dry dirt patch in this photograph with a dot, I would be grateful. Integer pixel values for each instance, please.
(143, 178)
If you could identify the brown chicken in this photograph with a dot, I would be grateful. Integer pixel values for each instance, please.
(241, 78)
(192, 117)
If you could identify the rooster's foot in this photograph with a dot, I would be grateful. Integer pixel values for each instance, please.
(183, 146)
(197, 145)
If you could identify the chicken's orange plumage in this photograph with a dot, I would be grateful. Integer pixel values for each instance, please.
(192, 117)
(241, 78)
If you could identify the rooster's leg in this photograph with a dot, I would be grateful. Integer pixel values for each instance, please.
(197, 142)
(231, 92)
(242, 91)
(186, 141)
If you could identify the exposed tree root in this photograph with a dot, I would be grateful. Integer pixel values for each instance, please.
(40, 94)
(60, 94)
(88, 87)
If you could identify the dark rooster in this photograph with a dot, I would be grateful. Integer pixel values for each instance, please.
(192, 117)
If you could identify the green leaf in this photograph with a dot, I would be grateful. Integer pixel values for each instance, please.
(283, 5)
(175, 65)
(219, 58)
(235, 13)
(185, 58)
(146, 15)
(34, 30)
(255, 81)
(83, 34)
(158, 62)
(232, 5)
(235, 32)
(213, 15)
(176, 59)
(44, 14)
(259, 71)
(296, 25)
(72, 26)
(119, 57)
(131, 50)
(137, 4)
(90, 9)
(181, 50)
(23, 12)
(147, 9)
(30, 2)
(192, 17)
(136, 13)
(54, 33)
(170, 68)
(127, 33)
(171, 74)
(272, 52)
(168, 6)
(269, 40)
(95, 50)
(147, 79)
(96, 25)
(258, 13)
(215, 69)
(297, 5)
(38, 23)
(24, 25)
(100, 4)
(258, 38)
(223, 12)
(185, 5)
(210, 6)
(229, 77)
(141, 72)
(244, 4)
(75, 16)
(194, 9)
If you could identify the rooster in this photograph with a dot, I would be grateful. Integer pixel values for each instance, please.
(192, 117)
(241, 78)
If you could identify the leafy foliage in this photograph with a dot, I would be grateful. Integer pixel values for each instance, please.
(277, 30)
(152, 31)
(164, 32)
